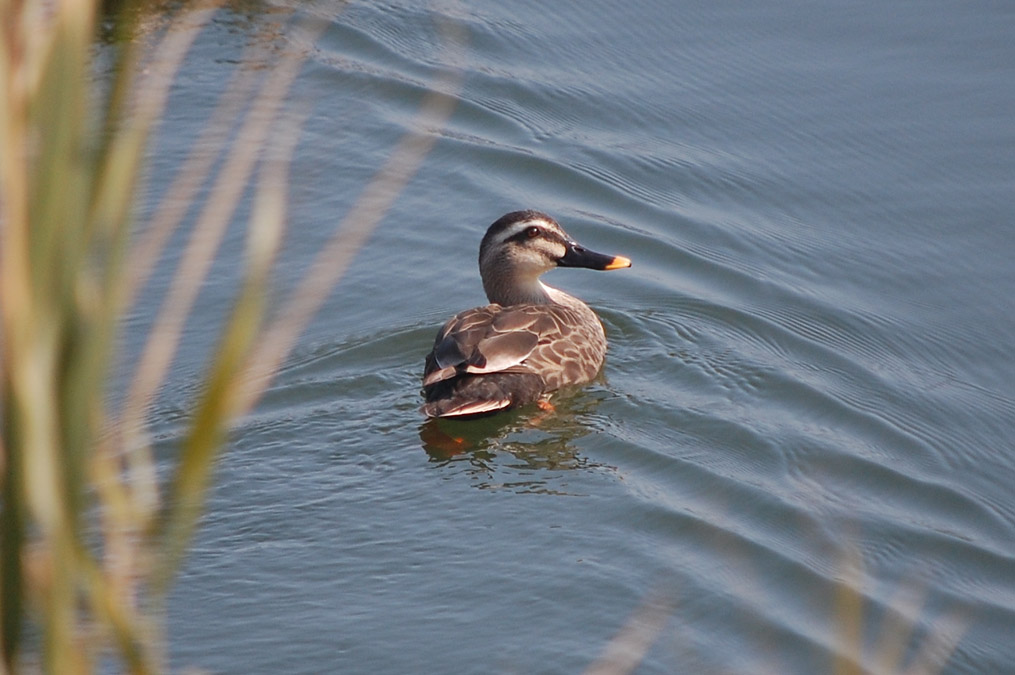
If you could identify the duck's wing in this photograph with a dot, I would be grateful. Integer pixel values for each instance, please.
(491, 339)
(569, 352)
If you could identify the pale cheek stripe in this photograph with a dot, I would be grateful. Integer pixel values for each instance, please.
(517, 228)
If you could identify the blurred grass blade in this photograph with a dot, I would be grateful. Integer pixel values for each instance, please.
(39, 257)
(220, 401)
(12, 542)
(625, 652)
(85, 560)
(942, 639)
(205, 239)
(848, 614)
(901, 617)
(192, 175)
(333, 260)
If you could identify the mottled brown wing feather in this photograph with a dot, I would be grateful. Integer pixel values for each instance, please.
(560, 344)
(571, 350)
(480, 340)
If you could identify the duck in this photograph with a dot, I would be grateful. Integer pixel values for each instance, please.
(532, 339)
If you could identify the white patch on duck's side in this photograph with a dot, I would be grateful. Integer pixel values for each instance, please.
(504, 351)
(558, 296)
(477, 407)
(438, 375)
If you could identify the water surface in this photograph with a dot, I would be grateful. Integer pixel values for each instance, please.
(809, 382)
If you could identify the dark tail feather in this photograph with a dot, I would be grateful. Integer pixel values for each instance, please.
(469, 395)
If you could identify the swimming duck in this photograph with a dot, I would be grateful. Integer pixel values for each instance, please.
(532, 339)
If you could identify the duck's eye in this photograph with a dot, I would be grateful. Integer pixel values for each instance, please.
(533, 232)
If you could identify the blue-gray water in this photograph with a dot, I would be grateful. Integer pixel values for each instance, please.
(811, 360)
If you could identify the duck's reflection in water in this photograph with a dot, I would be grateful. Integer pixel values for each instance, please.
(527, 450)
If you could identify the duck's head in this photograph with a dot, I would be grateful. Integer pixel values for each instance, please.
(520, 246)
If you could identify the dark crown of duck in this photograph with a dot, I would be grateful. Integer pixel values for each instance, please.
(532, 339)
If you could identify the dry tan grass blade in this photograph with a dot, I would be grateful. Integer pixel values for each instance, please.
(332, 262)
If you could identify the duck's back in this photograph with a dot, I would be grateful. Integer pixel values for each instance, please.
(493, 357)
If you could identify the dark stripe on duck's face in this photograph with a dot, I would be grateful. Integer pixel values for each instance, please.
(536, 230)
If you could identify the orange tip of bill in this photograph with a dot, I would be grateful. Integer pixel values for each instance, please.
(619, 262)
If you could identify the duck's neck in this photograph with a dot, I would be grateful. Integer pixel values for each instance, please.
(521, 291)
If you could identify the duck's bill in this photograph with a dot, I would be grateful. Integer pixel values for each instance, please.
(578, 256)
(618, 262)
